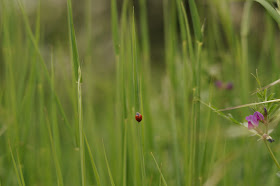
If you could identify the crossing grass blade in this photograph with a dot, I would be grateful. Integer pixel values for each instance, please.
(42, 62)
(162, 177)
(16, 168)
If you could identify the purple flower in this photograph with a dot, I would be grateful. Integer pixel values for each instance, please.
(258, 116)
(219, 84)
(229, 86)
(253, 120)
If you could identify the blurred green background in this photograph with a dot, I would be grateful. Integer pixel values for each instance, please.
(159, 58)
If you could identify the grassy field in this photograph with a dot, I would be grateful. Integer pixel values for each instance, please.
(67, 114)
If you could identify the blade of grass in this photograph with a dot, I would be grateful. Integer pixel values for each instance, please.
(92, 162)
(15, 167)
(108, 167)
(125, 153)
(74, 49)
(82, 153)
(164, 182)
(41, 60)
(137, 102)
(270, 10)
(54, 153)
(20, 171)
(196, 84)
(78, 77)
(195, 21)
(189, 38)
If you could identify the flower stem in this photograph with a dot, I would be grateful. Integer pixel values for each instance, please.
(271, 154)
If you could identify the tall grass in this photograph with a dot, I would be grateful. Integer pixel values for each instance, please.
(68, 118)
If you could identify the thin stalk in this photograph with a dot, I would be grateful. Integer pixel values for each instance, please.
(108, 167)
(125, 153)
(82, 153)
(141, 155)
(54, 153)
(196, 121)
(271, 154)
(18, 172)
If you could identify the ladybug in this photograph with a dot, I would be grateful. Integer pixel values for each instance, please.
(138, 117)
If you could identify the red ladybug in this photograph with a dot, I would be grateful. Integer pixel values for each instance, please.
(138, 117)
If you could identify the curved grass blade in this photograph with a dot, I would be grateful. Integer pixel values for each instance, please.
(272, 12)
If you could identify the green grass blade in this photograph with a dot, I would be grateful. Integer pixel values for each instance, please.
(20, 171)
(164, 182)
(41, 60)
(78, 77)
(15, 166)
(80, 122)
(195, 21)
(54, 154)
(74, 49)
(135, 65)
(92, 162)
(272, 12)
(189, 38)
(108, 167)
(125, 154)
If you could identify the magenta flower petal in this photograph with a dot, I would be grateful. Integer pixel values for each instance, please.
(250, 125)
(258, 116)
(219, 84)
(253, 120)
(229, 86)
(249, 118)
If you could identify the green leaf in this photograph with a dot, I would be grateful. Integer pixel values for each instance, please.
(195, 21)
(272, 12)
(260, 96)
(74, 49)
